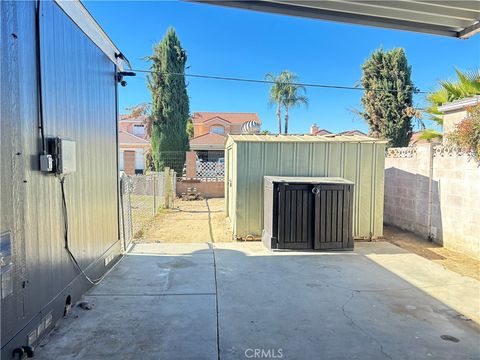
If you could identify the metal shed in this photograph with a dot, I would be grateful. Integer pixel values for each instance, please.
(248, 158)
(59, 80)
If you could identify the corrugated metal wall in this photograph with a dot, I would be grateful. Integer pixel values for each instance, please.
(360, 162)
(79, 90)
(13, 166)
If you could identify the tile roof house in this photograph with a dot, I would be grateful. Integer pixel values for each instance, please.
(353, 132)
(415, 139)
(132, 144)
(314, 130)
(211, 128)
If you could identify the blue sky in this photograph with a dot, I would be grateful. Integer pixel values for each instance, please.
(239, 43)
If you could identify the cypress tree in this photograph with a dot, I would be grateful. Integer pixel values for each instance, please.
(170, 104)
(388, 100)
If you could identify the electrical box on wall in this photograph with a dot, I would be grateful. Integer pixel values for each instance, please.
(67, 159)
(61, 158)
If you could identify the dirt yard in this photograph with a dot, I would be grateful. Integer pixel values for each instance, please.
(451, 260)
(189, 222)
(203, 221)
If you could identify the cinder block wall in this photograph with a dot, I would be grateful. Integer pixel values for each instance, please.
(455, 207)
(208, 189)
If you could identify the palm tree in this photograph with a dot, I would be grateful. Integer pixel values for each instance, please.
(276, 95)
(294, 95)
(285, 92)
(467, 84)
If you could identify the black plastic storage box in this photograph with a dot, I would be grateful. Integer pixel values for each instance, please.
(308, 213)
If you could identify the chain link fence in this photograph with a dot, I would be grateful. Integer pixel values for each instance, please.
(174, 160)
(200, 173)
(141, 198)
(201, 165)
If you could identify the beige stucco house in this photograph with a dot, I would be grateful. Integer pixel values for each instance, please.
(454, 112)
(211, 128)
(132, 144)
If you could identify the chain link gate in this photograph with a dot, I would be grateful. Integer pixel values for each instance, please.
(141, 197)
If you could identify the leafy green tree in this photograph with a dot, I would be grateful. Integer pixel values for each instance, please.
(170, 104)
(388, 96)
(284, 92)
(466, 85)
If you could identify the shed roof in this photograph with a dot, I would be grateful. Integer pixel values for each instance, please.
(304, 138)
(460, 19)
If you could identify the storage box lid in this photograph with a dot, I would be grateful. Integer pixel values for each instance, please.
(307, 180)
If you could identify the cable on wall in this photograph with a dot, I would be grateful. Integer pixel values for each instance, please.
(39, 79)
(67, 245)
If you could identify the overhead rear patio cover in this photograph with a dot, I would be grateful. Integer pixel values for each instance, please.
(460, 19)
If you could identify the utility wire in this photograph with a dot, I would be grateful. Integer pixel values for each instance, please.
(67, 245)
(39, 77)
(258, 81)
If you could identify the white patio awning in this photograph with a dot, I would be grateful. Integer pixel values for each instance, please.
(460, 19)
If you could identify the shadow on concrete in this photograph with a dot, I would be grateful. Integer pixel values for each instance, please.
(406, 203)
(218, 301)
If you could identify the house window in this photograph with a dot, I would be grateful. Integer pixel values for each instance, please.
(138, 130)
(217, 129)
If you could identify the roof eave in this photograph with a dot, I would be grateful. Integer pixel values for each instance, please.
(77, 12)
(459, 104)
(299, 10)
(469, 31)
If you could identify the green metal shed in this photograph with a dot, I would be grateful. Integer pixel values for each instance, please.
(248, 158)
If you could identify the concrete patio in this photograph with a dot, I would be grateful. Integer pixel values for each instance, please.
(238, 301)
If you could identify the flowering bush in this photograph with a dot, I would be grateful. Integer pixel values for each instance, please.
(467, 133)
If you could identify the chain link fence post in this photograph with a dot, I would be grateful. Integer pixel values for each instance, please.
(167, 186)
(154, 183)
(125, 210)
(122, 213)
